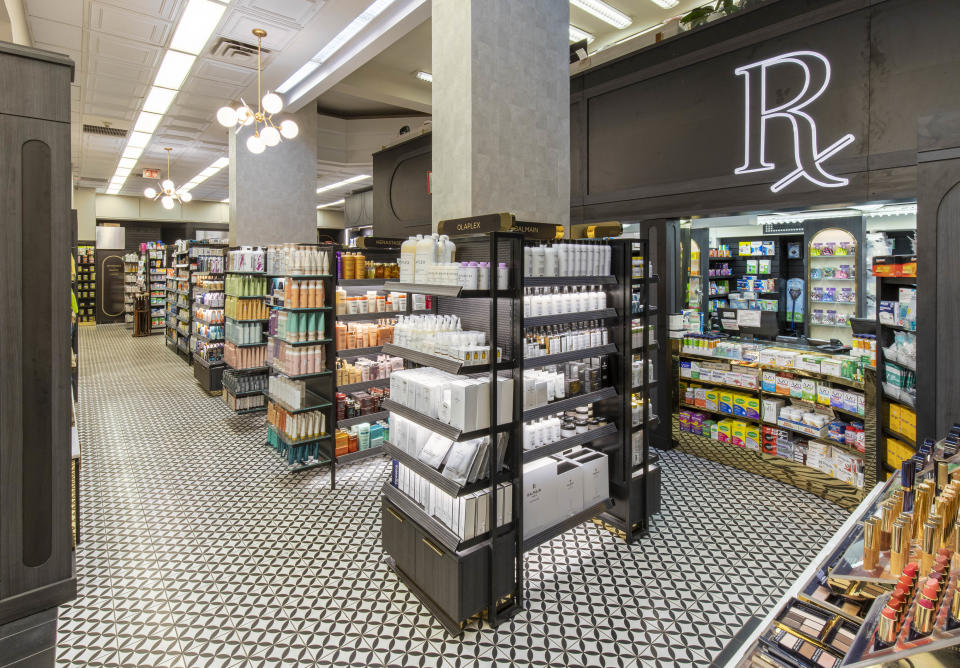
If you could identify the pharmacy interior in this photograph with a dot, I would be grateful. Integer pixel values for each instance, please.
(803, 335)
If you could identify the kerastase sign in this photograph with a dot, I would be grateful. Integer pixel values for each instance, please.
(759, 79)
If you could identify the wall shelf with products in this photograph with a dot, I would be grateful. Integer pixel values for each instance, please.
(245, 283)
(131, 273)
(152, 273)
(86, 284)
(207, 281)
(832, 281)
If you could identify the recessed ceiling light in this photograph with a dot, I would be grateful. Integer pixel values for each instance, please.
(576, 35)
(197, 23)
(666, 4)
(604, 12)
(147, 122)
(122, 172)
(355, 26)
(159, 100)
(174, 69)
(127, 163)
(423, 76)
(132, 152)
(324, 206)
(139, 139)
(345, 182)
(215, 167)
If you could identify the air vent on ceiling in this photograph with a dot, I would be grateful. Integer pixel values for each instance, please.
(104, 130)
(238, 53)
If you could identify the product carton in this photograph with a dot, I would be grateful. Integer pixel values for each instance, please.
(726, 403)
(823, 394)
(700, 397)
(738, 435)
(751, 408)
(782, 386)
(724, 431)
(786, 359)
(809, 363)
(686, 369)
(769, 381)
(796, 388)
(594, 468)
(808, 389)
(539, 495)
(831, 367)
(751, 437)
(836, 397)
(714, 430)
(768, 356)
(712, 400)
(771, 408)
(739, 401)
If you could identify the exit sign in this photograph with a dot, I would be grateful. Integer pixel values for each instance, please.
(151, 173)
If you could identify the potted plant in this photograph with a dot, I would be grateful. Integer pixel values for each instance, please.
(726, 7)
(696, 17)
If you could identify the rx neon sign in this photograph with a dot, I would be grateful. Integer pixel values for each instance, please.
(808, 155)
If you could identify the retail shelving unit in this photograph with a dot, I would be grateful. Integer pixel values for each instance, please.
(86, 284)
(318, 379)
(131, 271)
(832, 284)
(178, 300)
(896, 407)
(153, 266)
(206, 312)
(244, 381)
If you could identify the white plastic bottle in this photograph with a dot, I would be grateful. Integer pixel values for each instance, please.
(424, 258)
(408, 256)
(527, 261)
(550, 261)
(537, 258)
(483, 276)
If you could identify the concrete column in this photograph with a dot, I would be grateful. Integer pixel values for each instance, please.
(273, 195)
(501, 109)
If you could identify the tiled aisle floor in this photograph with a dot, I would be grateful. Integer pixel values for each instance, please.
(198, 549)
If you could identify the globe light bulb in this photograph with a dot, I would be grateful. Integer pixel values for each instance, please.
(149, 193)
(270, 136)
(289, 129)
(244, 115)
(167, 185)
(167, 202)
(255, 144)
(272, 104)
(227, 117)
(185, 197)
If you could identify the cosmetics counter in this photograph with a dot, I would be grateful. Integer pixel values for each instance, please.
(884, 590)
(548, 360)
(796, 413)
(86, 284)
(896, 327)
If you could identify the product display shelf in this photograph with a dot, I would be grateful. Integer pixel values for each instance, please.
(693, 407)
(569, 403)
(86, 283)
(892, 401)
(436, 425)
(363, 385)
(359, 352)
(573, 355)
(568, 318)
(603, 432)
(208, 372)
(131, 270)
(434, 476)
(153, 259)
(319, 384)
(360, 419)
(260, 370)
(456, 579)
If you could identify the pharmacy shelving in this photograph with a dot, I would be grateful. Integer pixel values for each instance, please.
(832, 298)
(86, 284)
(153, 263)
(245, 293)
(131, 273)
(206, 310)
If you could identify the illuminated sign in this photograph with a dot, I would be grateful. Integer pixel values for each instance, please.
(808, 155)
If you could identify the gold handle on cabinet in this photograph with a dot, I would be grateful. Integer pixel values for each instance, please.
(391, 511)
(432, 547)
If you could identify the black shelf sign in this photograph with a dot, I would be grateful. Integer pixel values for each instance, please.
(784, 227)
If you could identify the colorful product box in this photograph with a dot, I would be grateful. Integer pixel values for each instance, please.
(738, 433)
(712, 400)
(751, 437)
(796, 388)
(724, 430)
(769, 381)
(808, 389)
(726, 403)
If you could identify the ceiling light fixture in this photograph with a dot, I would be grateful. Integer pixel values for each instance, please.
(173, 69)
(159, 100)
(666, 4)
(604, 12)
(197, 22)
(324, 206)
(168, 193)
(267, 107)
(424, 76)
(576, 35)
(345, 182)
(366, 16)
(214, 167)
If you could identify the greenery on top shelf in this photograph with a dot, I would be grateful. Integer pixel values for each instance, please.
(705, 13)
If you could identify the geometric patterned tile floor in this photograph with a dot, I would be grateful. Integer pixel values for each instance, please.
(198, 549)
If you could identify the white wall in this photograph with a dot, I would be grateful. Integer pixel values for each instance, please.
(330, 219)
(85, 202)
(121, 207)
(354, 141)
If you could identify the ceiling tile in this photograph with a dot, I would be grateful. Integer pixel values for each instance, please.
(295, 12)
(159, 9)
(239, 25)
(62, 35)
(124, 50)
(223, 73)
(56, 10)
(138, 27)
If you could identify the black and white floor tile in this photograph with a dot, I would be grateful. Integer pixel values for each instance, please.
(199, 549)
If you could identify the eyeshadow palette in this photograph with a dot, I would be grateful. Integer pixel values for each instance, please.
(806, 619)
(851, 602)
(796, 650)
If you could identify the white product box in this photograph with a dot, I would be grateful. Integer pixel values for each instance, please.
(569, 490)
(796, 388)
(771, 408)
(505, 400)
(539, 495)
(830, 367)
(594, 467)
(529, 392)
(786, 359)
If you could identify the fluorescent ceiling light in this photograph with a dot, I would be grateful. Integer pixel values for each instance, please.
(220, 163)
(132, 152)
(604, 12)
(423, 76)
(139, 139)
(226, 201)
(127, 163)
(122, 172)
(209, 171)
(324, 206)
(173, 70)
(147, 122)
(355, 26)
(196, 25)
(159, 100)
(576, 35)
(345, 182)
(215, 167)
(666, 4)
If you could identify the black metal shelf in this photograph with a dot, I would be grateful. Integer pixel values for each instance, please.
(302, 376)
(560, 358)
(653, 422)
(347, 353)
(248, 319)
(255, 409)
(435, 425)
(304, 309)
(315, 342)
(566, 443)
(364, 384)
(248, 296)
(433, 475)
(564, 318)
(304, 276)
(360, 282)
(318, 402)
(546, 281)
(443, 290)
(359, 455)
(288, 441)
(898, 328)
(360, 419)
(571, 402)
(442, 363)
(564, 526)
(248, 345)
(900, 437)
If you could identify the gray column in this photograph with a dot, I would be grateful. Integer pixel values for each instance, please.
(273, 195)
(501, 109)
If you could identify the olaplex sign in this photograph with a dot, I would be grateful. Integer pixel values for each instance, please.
(808, 156)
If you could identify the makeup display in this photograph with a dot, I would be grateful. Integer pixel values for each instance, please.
(885, 588)
(561, 355)
(86, 284)
(788, 401)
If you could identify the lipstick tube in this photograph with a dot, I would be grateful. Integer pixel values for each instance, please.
(887, 627)
(955, 606)
(886, 523)
(869, 540)
(928, 545)
(923, 614)
(897, 558)
(942, 474)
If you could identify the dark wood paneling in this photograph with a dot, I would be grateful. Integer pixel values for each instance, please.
(36, 553)
(401, 203)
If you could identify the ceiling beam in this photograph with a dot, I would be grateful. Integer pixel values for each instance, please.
(388, 87)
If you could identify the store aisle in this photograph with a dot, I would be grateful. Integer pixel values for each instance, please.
(198, 549)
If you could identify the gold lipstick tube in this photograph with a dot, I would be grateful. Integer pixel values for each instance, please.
(896, 548)
(923, 619)
(955, 607)
(928, 546)
(886, 523)
(886, 630)
(869, 539)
